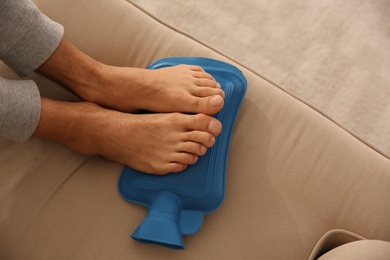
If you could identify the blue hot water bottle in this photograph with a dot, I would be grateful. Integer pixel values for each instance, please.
(177, 202)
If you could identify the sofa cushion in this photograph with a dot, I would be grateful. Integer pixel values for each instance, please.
(292, 174)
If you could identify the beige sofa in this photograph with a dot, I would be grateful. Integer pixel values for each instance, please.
(298, 184)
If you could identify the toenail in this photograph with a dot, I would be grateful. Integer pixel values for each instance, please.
(216, 101)
(215, 127)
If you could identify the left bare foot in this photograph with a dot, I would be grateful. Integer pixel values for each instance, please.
(182, 88)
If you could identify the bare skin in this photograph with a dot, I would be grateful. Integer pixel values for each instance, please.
(153, 143)
(180, 88)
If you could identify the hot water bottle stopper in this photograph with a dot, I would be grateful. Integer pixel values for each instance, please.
(177, 202)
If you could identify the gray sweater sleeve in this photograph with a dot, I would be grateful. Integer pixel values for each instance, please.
(27, 39)
(20, 108)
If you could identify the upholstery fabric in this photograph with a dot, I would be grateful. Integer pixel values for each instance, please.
(334, 55)
(332, 239)
(293, 174)
(360, 250)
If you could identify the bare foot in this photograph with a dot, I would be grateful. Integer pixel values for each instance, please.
(158, 143)
(151, 143)
(181, 88)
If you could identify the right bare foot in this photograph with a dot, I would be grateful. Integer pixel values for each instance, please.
(151, 143)
(158, 143)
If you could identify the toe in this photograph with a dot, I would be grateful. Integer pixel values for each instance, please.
(215, 127)
(192, 147)
(195, 68)
(175, 167)
(216, 101)
(203, 82)
(207, 105)
(205, 139)
(185, 158)
(203, 75)
(205, 123)
(207, 89)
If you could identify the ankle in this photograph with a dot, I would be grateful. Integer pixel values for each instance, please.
(89, 82)
(111, 84)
